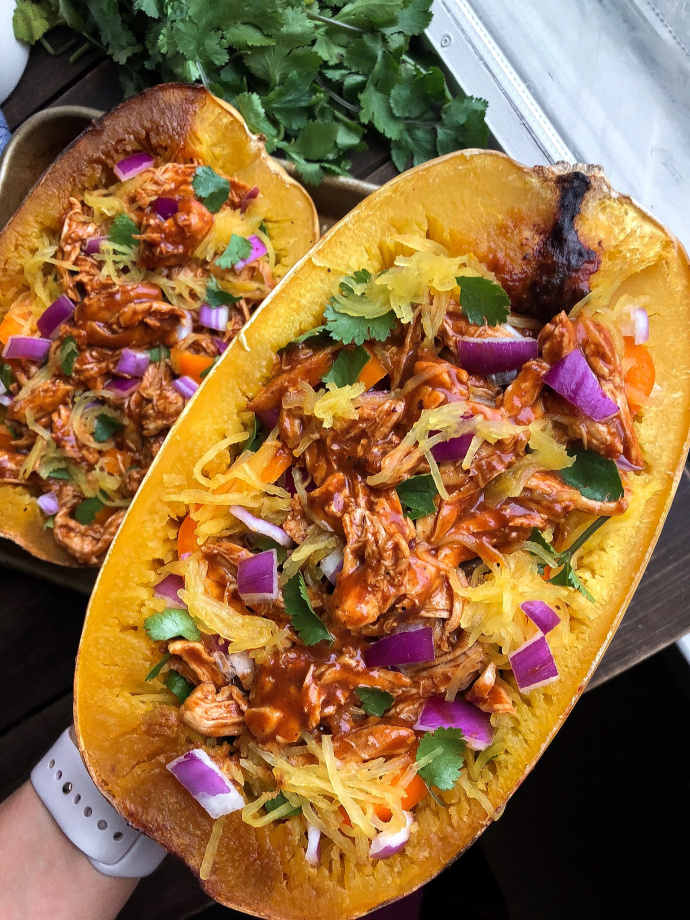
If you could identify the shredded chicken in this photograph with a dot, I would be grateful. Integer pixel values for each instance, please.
(194, 661)
(489, 693)
(216, 714)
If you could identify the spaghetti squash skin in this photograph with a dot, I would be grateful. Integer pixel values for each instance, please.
(504, 213)
(167, 121)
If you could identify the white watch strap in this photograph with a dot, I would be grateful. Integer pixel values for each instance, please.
(63, 784)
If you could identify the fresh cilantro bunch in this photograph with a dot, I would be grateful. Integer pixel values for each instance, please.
(312, 77)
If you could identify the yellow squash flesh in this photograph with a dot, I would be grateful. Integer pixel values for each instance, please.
(167, 121)
(476, 202)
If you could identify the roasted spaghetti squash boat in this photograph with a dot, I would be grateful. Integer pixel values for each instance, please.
(380, 556)
(124, 275)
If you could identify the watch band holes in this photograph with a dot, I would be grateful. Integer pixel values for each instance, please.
(117, 835)
(58, 775)
(88, 811)
(51, 764)
(77, 799)
(102, 825)
(67, 788)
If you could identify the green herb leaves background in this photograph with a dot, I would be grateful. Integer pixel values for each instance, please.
(312, 77)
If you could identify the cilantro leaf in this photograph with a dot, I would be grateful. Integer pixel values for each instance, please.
(280, 800)
(169, 624)
(358, 329)
(416, 495)
(87, 510)
(264, 543)
(122, 232)
(308, 625)
(159, 352)
(483, 301)
(68, 354)
(216, 296)
(105, 427)
(6, 377)
(178, 685)
(569, 578)
(59, 474)
(320, 335)
(257, 437)
(374, 701)
(444, 770)
(238, 248)
(207, 370)
(347, 366)
(211, 188)
(593, 476)
(156, 669)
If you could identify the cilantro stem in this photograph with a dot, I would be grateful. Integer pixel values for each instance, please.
(336, 98)
(326, 20)
(582, 539)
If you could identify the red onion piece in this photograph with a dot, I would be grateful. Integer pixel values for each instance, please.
(386, 843)
(268, 418)
(624, 464)
(186, 326)
(452, 449)
(206, 783)
(26, 346)
(185, 386)
(533, 664)
(248, 198)
(258, 250)
(221, 345)
(165, 208)
(313, 851)
(168, 589)
(132, 165)
(402, 648)
(637, 325)
(474, 724)
(257, 578)
(574, 380)
(48, 503)
(332, 564)
(54, 316)
(93, 246)
(257, 525)
(495, 356)
(122, 386)
(133, 363)
(214, 317)
(543, 617)
(5, 399)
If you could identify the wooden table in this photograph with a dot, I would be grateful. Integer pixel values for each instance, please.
(40, 623)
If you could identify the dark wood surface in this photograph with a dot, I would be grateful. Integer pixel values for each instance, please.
(40, 623)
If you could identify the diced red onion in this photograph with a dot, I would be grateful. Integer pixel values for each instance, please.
(165, 208)
(257, 525)
(186, 326)
(248, 198)
(495, 356)
(543, 617)
(133, 363)
(474, 724)
(402, 648)
(502, 380)
(48, 503)
(185, 386)
(574, 380)
(258, 250)
(257, 578)
(452, 449)
(5, 399)
(93, 246)
(206, 783)
(624, 464)
(313, 851)
(132, 165)
(214, 317)
(268, 418)
(332, 564)
(637, 325)
(533, 664)
(123, 386)
(386, 843)
(168, 589)
(26, 346)
(54, 316)
(221, 345)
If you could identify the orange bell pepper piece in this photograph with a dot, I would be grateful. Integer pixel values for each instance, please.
(640, 376)
(12, 324)
(415, 791)
(186, 537)
(372, 372)
(194, 365)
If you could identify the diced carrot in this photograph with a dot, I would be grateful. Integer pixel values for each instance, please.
(12, 324)
(372, 372)
(346, 817)
(193, 366)
(114, 460)
(186, 537)
(640, 375)
(276, 466)
(415, 791)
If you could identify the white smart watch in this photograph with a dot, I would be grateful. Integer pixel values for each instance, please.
(63, 784)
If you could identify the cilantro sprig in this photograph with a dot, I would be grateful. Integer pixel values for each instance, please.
(567, 576)
(211, 188)
(68, 354)
(448, 746)
(416, 495)
(171, 623)
(156, 669)
(374, 702)
(310, 77)
(215, 295)
(483, 301)
(122, 232)
(308, 625)
(86, 511)
(106, 426)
